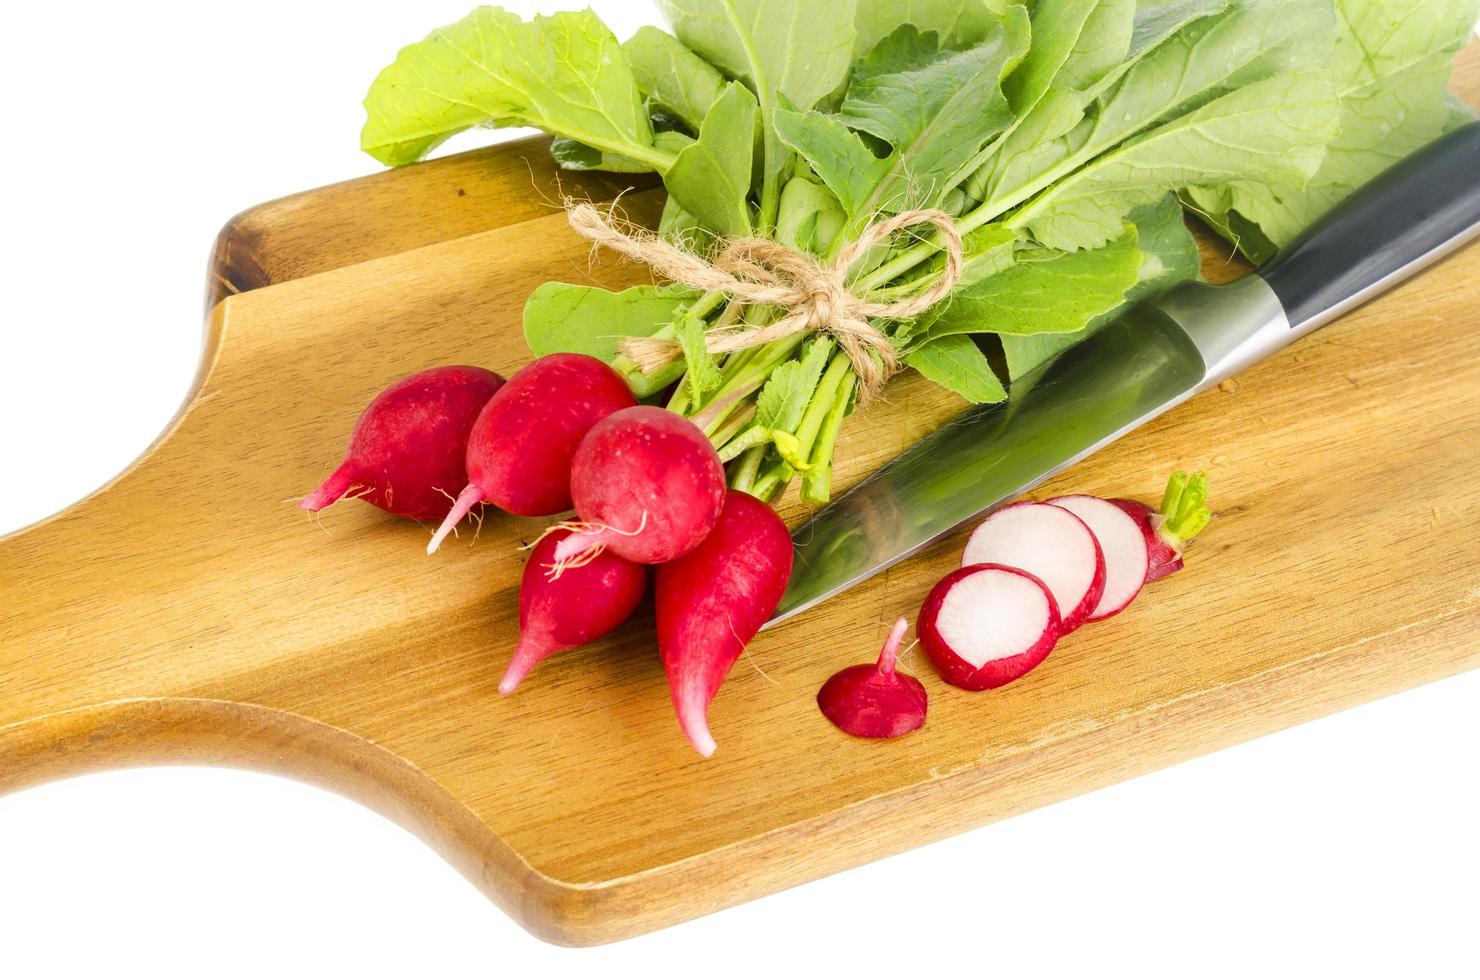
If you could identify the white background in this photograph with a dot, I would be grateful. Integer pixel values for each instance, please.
(1348, 847)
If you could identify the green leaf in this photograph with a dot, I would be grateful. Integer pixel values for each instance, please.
(957, 23)
(703, 373)
(1276, 129)
(1169, 255)
(578, 156)
(780, 48)
(711, 178)
(784, 399)
(673, 77)
(955, 362)
(907, 49)
(988, 251)
(935, 118)
(1101, 47)
(837, 154)
(811, 216)
(1051, 293)
(565, 74)
(1186, 70)
(1029, 147)
(1057, 26)
(562, 318)
(1391, 68)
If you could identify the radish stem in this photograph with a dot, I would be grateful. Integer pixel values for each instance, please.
(1184, 507)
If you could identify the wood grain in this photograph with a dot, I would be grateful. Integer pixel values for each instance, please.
(187, 613)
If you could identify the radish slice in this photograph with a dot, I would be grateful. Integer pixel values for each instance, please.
(1051, 543)
(1183, 515)
(985, 626)
(1127, 562)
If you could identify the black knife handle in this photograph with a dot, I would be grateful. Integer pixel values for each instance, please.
(1409, 217)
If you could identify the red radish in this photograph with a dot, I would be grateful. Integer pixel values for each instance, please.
(1052, 544)
(582, 605)
(520, 450)
(713, 601)
(873, 700)
(407, 451)
(647, 484)
(985, 626)
(1124, 547)
(1184, 513)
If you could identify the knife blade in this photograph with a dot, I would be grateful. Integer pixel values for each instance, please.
(1152, 359)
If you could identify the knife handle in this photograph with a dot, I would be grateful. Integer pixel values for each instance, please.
(1405, 220)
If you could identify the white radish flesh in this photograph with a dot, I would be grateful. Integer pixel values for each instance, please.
(984, 626)
(1050, 543)
(1123, 546)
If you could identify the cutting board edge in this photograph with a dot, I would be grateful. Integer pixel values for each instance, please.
(201, 731)
(260, 246)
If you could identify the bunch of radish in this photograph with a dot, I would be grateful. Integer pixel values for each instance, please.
(1033, 573)
(647, 488)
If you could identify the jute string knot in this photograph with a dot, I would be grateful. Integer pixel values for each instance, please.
(760, 272)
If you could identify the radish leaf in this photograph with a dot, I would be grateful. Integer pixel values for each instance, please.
(1169, 256)
(1392, 65)
(1203, 147)
(672, 77)
(564, 319)
(935, 119)
(780, 48)
(1055, 292)
(955, 362)
(784, 399)
(565, 74)
(957, 23)
(711, 178)
(703, 374)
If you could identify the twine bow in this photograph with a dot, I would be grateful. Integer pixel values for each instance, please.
(758, 271)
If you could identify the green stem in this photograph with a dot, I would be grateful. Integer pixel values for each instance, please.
(822, 400)
(1184, 508)
(817, 481)
(769, 486)
(756, 435)
(726, 435)
(744, 476)
(749, 380)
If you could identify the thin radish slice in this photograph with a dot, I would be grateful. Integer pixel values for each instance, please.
(985, 626)
(1050, 543)
(1127, 562)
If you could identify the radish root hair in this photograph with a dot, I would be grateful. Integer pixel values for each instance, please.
(580, 557)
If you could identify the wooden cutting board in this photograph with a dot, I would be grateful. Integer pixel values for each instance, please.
(188, 613)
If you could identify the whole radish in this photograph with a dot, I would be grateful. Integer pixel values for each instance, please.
(407, 451)
(875, 700)
(1184, 513)
(1052, 544)
(520, 450)
(647, 485)
(582, 605)
(1127, 559)
(985, 626)
(713, 601)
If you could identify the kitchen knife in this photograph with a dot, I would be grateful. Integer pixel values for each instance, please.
(1152, 359)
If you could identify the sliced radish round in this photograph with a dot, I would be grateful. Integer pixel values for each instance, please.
(1123, 546)
(985, 626)
(1050, 543)
(1163, 558)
